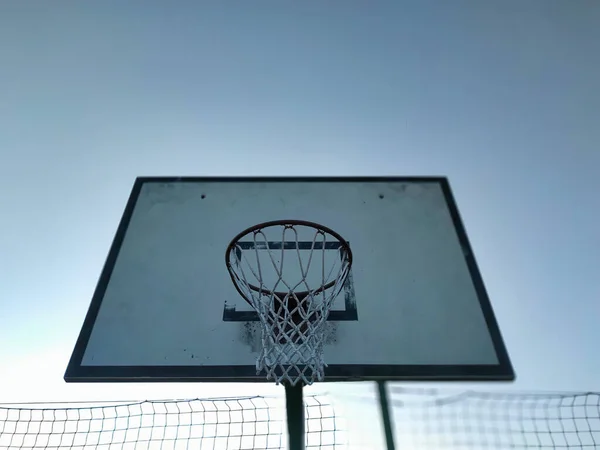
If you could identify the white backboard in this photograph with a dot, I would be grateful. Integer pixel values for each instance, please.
(414, 306)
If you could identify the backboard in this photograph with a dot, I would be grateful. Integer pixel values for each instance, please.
(413, 306)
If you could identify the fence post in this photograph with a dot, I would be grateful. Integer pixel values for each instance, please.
(386, 415)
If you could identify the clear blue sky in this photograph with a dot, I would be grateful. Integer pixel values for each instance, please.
(502, 97)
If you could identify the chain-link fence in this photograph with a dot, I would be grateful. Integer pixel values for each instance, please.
(218, 424)
(433, 419)
(422, 419)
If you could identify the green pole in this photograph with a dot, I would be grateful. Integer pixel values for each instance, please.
(386, 415)
(295, 416)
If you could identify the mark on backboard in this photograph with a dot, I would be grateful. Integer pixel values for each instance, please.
(250, 335)
(331, 329)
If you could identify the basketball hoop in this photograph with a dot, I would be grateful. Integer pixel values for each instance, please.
(286, 272)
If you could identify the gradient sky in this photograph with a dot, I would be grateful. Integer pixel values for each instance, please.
(502, 97)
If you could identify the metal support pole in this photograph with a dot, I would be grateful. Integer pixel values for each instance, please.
(386, 415)
(295, 416)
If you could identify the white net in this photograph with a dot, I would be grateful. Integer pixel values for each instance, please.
(291, 273)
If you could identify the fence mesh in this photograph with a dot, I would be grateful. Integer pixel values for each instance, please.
(227, 424)
(433, 419)
(423, 419)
